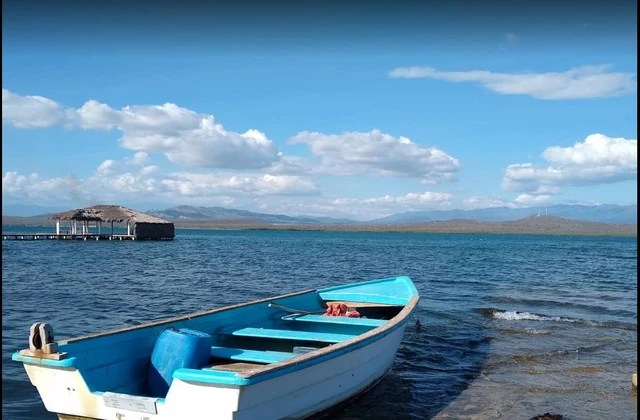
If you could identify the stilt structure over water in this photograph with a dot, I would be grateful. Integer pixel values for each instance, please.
(140, 226)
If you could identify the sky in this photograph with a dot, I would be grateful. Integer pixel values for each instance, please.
(344, 109)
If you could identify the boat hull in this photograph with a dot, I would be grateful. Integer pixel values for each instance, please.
(298, 395)
(353, 355)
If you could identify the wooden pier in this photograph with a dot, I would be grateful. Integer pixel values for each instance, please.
(139, 226)
(67, 236)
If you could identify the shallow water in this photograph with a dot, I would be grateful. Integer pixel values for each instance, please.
(512, 326)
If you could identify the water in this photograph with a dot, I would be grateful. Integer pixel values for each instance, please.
(512, 326)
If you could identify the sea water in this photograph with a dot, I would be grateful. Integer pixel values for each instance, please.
(512, 326)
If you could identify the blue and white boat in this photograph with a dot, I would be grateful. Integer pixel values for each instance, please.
(276, 358)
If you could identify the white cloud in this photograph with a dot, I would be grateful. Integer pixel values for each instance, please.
(30, 111)
(283, 194)
(106, 167)
(423, 199)
(357, 208)
(113, 181)
(38, 190)
(294, 165)
(596, 150)
(208, 145)
(599, 159)
(12, 182)
(377, 153)
(192, 139)
(546, 190)
(576, 83)
(420, 199)
(183, 136)
(482, 202)
(533, 198)
(376, 207)
(138, 159)
(191, 184)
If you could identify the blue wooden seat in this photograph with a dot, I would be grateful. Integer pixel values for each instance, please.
(244, 355)
(342, 320)
(323, 337)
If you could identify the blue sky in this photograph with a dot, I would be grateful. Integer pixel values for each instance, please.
(341, 122)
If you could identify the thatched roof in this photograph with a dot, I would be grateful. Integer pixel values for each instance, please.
(106, 213)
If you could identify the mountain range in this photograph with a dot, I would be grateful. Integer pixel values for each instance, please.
(602, 213)
(608, 213)
(226, 214)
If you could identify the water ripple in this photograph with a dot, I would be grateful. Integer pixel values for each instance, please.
(512, 326)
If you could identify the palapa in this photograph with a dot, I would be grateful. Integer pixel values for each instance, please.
(108, 213)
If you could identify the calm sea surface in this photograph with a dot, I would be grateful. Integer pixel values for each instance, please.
(512, 326)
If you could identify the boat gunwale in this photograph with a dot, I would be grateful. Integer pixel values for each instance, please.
(181, 317)
(392, 324)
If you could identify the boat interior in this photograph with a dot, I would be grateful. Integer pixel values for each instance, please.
(243, 337)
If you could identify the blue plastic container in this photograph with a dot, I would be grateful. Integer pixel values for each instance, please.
(175, 349)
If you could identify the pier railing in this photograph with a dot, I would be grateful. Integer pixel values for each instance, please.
(67, 236)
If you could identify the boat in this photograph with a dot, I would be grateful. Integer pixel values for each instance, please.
(288, 357)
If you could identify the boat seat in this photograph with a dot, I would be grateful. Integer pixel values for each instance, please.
(342, 320)
(322, 337)
(244, 355)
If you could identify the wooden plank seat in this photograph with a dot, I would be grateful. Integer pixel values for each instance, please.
(323, 337)
(342, 320)
(244, 355)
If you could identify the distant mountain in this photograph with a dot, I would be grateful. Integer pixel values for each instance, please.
(607, 213)
(537, 225)
(226, 214)
(610, 213)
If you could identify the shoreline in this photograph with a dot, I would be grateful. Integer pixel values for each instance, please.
(483, 228)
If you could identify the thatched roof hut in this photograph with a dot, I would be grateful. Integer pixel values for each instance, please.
(107, 213)
(144, 226)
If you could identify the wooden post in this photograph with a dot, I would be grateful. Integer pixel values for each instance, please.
(128, 227)
(112, 227)
(58, 227)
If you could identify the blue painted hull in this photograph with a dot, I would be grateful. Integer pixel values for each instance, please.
(254, 346)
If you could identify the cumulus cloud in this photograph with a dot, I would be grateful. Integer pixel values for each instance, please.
(596, 150)
(106, 168)
(598, 159)
(118, 180)
(374, 152)
(30, 111)
(411, 199)
(183, 136)
(576, 83)
(138, 159)
(482, 202)
(37, 189)
(357, 208)
(424, 198)
(294, 165)
(533, 198)
(196, 140)
(191, 184)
